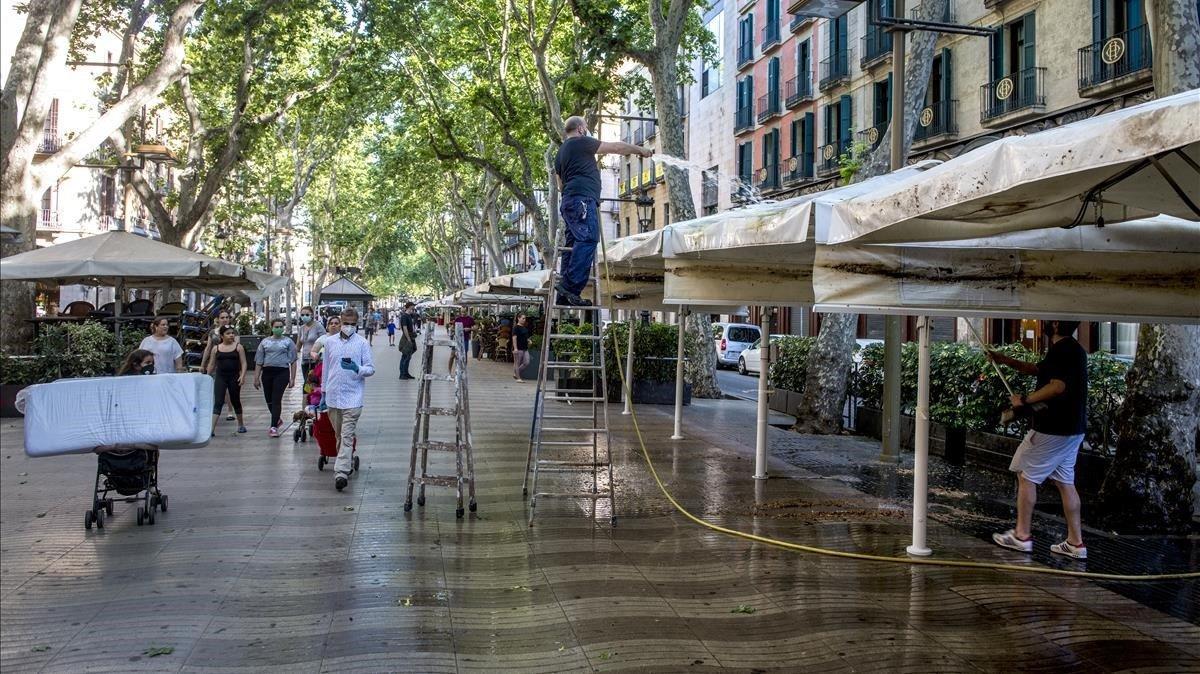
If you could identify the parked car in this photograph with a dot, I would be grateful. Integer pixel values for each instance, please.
(751, 358)
(731, 339)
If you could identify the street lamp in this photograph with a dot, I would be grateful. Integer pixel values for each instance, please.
(645, 211)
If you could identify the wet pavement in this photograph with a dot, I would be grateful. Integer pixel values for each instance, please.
(260, 565)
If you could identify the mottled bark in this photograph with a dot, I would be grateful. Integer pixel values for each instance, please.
(1150, 485)
(829, 363)
(820, 409)
(700, 370)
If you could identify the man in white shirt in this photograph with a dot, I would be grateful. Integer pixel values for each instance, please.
(346, 363)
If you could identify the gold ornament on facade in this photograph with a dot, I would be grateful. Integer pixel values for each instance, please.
(828, 152)
(793, 164)
(873, 136)
(1113, 50)
(926, 117)
(1004, 89)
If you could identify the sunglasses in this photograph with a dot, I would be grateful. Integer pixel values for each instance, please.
(305, 315)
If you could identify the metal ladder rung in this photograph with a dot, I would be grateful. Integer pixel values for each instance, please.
(439, 480)
(445, 342)
(565, 443)
(438, 411)
(439, 377)
(563, 365)
(581, 391)
(438, 446)
(580, 417)
(570, 494)
(573, 430)
(567, 336)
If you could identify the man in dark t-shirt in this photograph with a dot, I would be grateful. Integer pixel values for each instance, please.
(408, 339)
(1059, 410)
(520, 347)
(579, 181)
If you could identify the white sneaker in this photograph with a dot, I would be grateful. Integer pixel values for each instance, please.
(1068, 550)
(1009, 540)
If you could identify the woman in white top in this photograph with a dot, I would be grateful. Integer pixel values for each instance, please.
(332, 327)
(168, 355)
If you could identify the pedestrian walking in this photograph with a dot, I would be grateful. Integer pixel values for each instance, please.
(227, 366)
(408, 339)
(391, 328)
(311, 328)
(1059, 410)
(139, 361)
(224, 320)
(168, 355)
(346, 363)
(520, 347)
(333, 326)
(372, 323)
(579, 184)
(276, 360)
(468, 324)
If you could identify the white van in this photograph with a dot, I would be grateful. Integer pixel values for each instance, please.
(733, 338)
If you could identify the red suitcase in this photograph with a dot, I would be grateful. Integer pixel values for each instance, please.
(327, 441)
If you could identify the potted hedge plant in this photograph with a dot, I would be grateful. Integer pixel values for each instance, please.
(654, 351)
(789, 372)
(17, 372)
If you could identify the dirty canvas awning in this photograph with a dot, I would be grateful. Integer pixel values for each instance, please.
(1129, 164)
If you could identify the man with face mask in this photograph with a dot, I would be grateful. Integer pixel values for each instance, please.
(346, 363)
(1059, 411)
(579, 180)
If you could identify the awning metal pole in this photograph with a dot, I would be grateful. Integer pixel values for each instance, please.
(682, 318)
(628, 393)
(764, 369)
(921, 463)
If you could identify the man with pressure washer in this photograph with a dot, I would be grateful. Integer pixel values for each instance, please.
(1059, 412)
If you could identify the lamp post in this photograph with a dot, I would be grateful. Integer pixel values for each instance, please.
(645, 211)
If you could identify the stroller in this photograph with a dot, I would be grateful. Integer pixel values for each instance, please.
(131, 473)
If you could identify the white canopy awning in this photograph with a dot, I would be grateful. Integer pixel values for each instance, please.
(525, 283)
(1138, 271)
(1135, 163)
(122, 258)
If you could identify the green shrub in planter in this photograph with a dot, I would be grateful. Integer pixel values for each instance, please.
(76, 350)
(789, 371)
(654, 348)
(244, 322)
(21, 370)
(1106, 392)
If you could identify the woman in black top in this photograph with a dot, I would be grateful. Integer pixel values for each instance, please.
(520, 347)
(227, 365)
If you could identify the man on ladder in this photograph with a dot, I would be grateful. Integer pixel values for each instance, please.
(579, 182)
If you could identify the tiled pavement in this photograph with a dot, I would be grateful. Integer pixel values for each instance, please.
(261, 566)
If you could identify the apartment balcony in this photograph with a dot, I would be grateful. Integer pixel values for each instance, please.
(799, 89)
(798, 22)
(745, 54)
(797, 170)
(872, 135)
(1119, 62)
(48, 221)
(876, 46)
(770, 36)
(623, 188)
(825, 9)
(768, 178)
(937, 121)
(639, 135)
(651, 130)
(1015, 97)
(743, 120)
(51, 143)
(835, 70)
(830, 155)
(768, 106)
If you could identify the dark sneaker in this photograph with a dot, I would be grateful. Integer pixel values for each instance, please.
(573, 300)
(340, 482)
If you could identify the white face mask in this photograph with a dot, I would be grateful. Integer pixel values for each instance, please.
(348, 330)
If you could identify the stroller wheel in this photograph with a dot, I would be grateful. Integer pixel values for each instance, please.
(108, 507)
(150, 516)
(99, 519)
(153, 501)
(321, 462)
(141, 515)
(162, 502)
(474, 506)
(88, 518)
(296, 435)
(356, 464)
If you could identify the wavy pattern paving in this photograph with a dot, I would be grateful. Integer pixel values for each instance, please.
(261, 566)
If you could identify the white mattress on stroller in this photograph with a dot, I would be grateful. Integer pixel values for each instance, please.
(75, 416)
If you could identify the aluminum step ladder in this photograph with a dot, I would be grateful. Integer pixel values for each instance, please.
(460, 409)
(563, 438)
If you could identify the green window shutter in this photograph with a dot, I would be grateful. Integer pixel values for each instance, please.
(809, 149)
(947, 70)
(845, 122)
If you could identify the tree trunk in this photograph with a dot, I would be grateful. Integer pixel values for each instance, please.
(665, 78)
(820, 410)
(1150, 485)
(701, 368)
(834, 353)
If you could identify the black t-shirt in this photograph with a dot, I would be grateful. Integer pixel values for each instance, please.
(521, 334)
(406, 324)
(1064, 414)
(576, 165)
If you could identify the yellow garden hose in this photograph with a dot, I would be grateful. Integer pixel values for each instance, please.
(797, 547)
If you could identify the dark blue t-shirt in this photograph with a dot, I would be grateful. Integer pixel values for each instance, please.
(576, 165)
(1064, 414)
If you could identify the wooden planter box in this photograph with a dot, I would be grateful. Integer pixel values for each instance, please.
(651, 393)
(783, 401)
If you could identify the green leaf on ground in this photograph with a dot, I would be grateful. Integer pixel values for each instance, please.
(744, 608)
(155, 651)
(607, 656)
(40, 648)
(407, 601)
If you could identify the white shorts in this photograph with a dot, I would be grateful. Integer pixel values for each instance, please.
(1042, 456)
